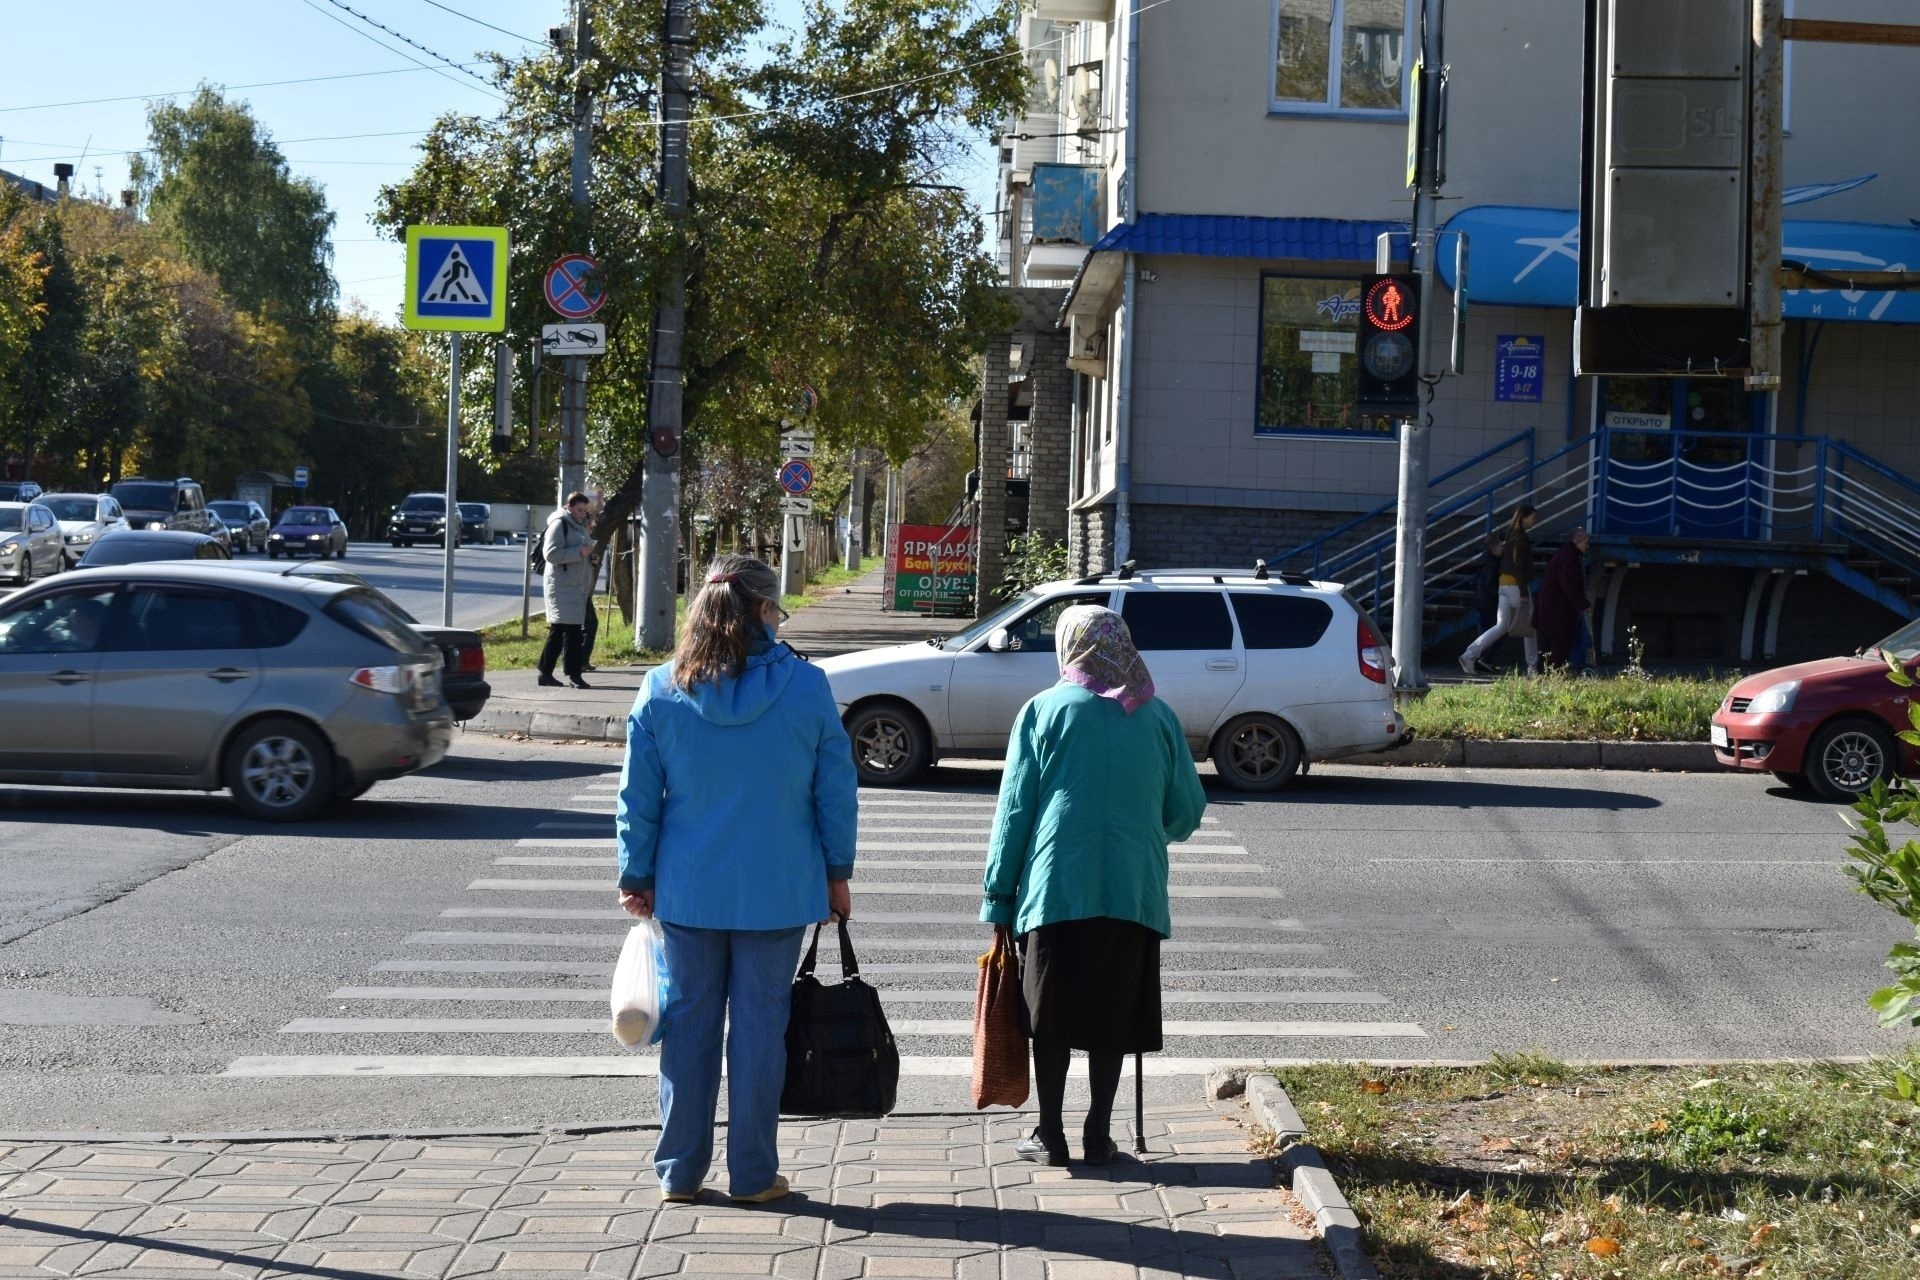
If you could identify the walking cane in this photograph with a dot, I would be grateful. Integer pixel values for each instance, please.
(1139, 1108)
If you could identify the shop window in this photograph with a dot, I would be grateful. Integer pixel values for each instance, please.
(1341, 55)
(1309, 339)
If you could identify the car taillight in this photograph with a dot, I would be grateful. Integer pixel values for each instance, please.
(394, 680)
(1373, 652)
(472, 660)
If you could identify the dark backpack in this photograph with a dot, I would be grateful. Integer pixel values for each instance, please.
(537, 552)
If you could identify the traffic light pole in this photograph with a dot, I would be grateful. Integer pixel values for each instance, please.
(1416, 438)
(660, 498)
(573, 389)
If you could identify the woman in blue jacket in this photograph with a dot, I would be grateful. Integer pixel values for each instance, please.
(736, 822)
(1099, 781)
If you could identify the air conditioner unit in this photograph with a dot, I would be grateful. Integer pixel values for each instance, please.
(1087, 346)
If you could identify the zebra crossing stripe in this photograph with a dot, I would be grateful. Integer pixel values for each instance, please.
(595, 995)
(904, 1027)
(884, 888)
(598, 969)
(869, 864)
(280, 1066)
(610, 942)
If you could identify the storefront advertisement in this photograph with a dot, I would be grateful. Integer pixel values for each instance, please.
(932, 568)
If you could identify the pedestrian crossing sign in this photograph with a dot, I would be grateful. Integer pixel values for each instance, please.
(457, 279)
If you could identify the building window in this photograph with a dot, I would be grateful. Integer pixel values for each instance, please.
(1341, 55)
(1309, 362)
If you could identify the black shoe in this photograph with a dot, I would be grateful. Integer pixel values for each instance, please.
(1040, 1151)
(549, 680)
(578, 683)
(1101, 1150)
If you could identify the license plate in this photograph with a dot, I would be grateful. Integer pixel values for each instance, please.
(1719, 735)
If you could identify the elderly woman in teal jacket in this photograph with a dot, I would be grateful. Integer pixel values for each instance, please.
(736, 827)
(1099, 781)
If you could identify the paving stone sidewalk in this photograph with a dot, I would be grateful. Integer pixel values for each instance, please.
(937, 1197)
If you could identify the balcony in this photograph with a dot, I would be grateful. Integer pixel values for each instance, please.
(1073, 10)
(1066, 219)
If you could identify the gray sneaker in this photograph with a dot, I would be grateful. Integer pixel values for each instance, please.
(1467, 664)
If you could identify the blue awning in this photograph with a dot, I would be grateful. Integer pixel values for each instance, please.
(1526, 257)
(1221, 236)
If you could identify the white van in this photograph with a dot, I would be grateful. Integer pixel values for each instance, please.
(1264, 670)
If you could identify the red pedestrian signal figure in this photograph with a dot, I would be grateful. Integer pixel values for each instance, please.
(1390, 305)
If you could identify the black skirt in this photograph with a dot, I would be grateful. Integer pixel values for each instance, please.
(1093, 985)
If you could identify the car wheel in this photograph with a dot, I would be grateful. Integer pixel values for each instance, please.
(341, 554)
(279, 771)
(396, 544)
(891, 745)
(26, 568)
(1257, 753)
(272, 554)
(1847, 757)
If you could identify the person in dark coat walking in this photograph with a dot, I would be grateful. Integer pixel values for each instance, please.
(1486, 583)
(1562, 602)
(1516, 577)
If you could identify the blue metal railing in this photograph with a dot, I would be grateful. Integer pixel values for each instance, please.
(1325, 562)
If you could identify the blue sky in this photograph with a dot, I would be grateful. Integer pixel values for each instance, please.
(67, 52)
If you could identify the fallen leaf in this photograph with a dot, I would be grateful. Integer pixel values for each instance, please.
(1550, 1238)
(1603, 1246)
(1466, 1204)
(1913, 1228)
(1658, 1126)
(1490, 1143)
(1695, 1242)
(1375, 1087)
(1761, 1232)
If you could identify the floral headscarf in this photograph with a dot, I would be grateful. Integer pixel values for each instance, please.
(1096, 652)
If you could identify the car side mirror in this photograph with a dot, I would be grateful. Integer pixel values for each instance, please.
(999, 640)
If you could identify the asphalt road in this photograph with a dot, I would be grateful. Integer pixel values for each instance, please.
(436, 954)
(486, 580)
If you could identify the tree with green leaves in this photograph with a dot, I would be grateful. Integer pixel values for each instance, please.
(824, 245)
(215, 185)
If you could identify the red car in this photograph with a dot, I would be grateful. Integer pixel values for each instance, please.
(1827, 726)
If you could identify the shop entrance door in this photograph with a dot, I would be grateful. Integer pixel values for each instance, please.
(1680, 459)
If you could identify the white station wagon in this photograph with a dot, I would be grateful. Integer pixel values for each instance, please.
(1266, 672)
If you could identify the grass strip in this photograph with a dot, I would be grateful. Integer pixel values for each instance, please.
(506, 651)
(1573, 708)
(1529, 1169)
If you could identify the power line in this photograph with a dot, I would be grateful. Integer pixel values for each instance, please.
(261, 84)
(481, 22)
(408, 40)
(401, 53)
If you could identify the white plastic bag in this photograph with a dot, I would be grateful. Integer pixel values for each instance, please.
(640, 985)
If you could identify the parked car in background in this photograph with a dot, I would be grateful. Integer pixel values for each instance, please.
(217, 529)
(18, 491)
(30, 545)
(1266, 672)
(287, 692)
(163, 504)
(245, 521)
(476, 522)
(1830, 727)
(145, 546)
(83, 519)
(463, 678)
(316, 531)
(422, 517)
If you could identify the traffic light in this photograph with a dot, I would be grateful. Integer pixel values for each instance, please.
(1389, 344)
(502, 398)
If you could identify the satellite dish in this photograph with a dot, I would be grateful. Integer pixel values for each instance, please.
(1050, 79)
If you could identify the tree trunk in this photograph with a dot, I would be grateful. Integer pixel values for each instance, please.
(623, 572)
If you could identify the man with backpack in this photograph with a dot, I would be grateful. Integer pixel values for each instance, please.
(566, 580)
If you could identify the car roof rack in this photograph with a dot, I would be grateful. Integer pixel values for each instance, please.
(1260, 573)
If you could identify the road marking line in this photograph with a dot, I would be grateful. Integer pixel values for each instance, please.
(535, 913)
(904, 1027)
(563, 842)
(562, 968)
(593, 995)
(918, 890)
(1626, 862)
(937, 864)
(571, 826)
(556, 862)
(973, 946)
(591, 799)
(637, 1064)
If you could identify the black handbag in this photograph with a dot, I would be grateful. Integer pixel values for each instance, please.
(842, 1062)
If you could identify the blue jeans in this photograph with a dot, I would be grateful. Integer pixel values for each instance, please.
(720, 973)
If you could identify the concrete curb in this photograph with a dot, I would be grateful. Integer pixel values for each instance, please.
(554, 725)
(1540, 753)
(1313, 1182)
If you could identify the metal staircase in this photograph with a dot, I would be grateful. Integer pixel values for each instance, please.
(1715, 498)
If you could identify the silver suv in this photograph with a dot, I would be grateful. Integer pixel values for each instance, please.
(289, 692)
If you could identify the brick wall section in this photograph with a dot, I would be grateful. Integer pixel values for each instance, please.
(1221, 537)
(1050, 429)
(1090, 541)
(995, 444)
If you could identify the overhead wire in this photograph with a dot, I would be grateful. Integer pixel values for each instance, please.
(368, 35)
(260, 84)
(447, 8)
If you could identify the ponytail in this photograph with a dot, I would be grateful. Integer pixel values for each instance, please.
(723, 621)
(1517, 524)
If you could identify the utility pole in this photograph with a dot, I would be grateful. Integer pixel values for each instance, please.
(573, 387)
(450, 543)
(1416, 434)
(660, 498)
